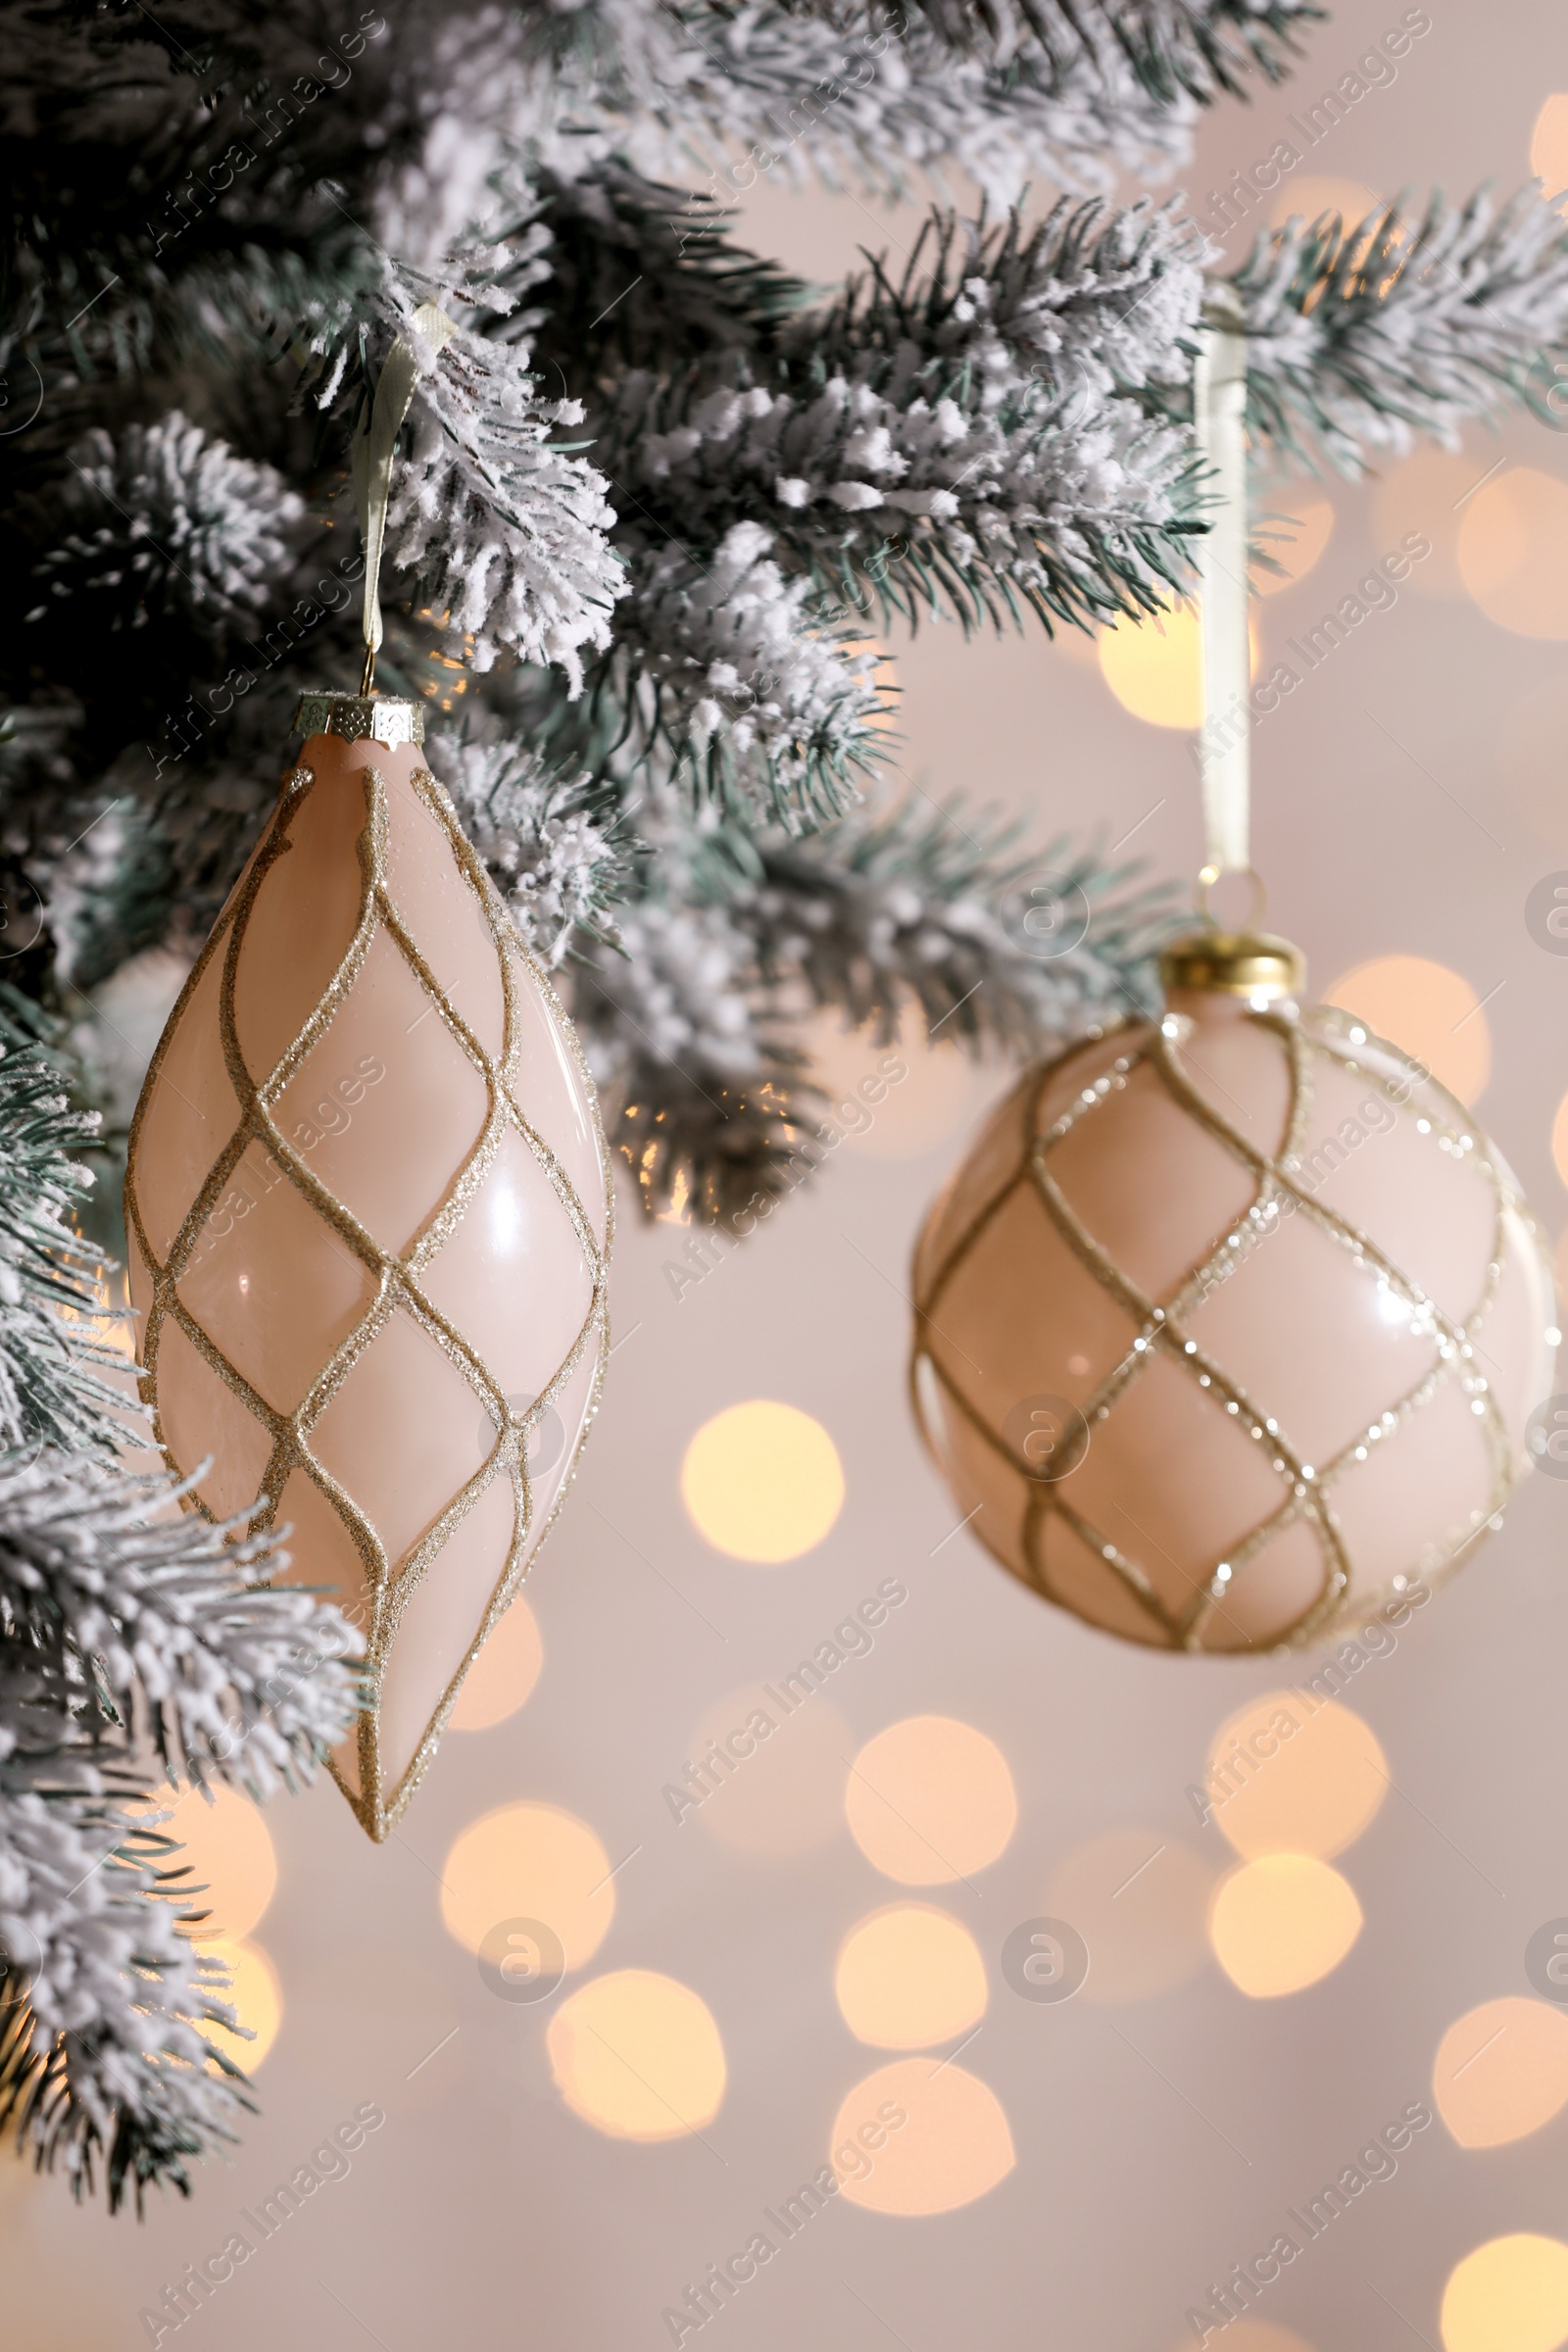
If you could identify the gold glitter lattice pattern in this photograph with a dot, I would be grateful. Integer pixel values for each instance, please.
(392, 1280)
(1156, 1333)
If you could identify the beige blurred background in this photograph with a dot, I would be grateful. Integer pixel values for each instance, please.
(821, 1939)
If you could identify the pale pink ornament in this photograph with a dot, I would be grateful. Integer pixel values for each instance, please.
(368, 1215)
(1232, 1324)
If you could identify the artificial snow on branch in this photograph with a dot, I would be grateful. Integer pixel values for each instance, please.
(160, 1622)
(559, 868)
(109, 2058)
(729, 667)
(50, 1276)
(949, 436)
(925, 906)
(133, 1636)
(887, 104)
(1199, 47)
(694, 1027)
(1361, 337)
(499, 525)
(129, 1630)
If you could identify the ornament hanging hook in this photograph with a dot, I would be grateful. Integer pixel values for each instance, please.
(1219, 408)
(375, 446)
(1256, 914)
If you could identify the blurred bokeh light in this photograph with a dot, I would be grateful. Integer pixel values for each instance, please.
(1513, 552)
(256, 1998)
(1282, 1923)
(530, 1861)
(1293, 528)
(502, 1675)
(934, 2137)
(1154, 667)
(762, 1480)
(638, 2056)
(930, 1799)
(229, 1850)
(1549, 144)
(1511, 2295)
(1431, 1012)
(1501, 2071)
(1288, 1774)
(910, 1976)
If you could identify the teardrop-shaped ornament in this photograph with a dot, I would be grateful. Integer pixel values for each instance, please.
(369, 1212)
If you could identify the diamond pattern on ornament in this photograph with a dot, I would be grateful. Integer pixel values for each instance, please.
(1243, 1393)
(407, 1415)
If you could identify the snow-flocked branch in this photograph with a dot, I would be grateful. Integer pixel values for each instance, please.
(1361, 337)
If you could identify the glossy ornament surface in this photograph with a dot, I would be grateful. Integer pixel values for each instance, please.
(369, 1210)
(1232, 1323)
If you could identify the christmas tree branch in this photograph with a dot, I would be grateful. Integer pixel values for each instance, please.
(1361, 337)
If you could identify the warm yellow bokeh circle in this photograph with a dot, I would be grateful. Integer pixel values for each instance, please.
(1513, 552)
(1501, 2071)
(762, 1480)
(638, 2056)
(1511, 2295)
(1282, 1923)
(1294, 531)
(908, 1977)
(256, 1998)
(920, 2137)
(1154, 667)
(1549, 144)
(1431, 1013)
(227, 1847)
(502, 1675)
(530, 1861)
(1290, 1774)
(930, 1799)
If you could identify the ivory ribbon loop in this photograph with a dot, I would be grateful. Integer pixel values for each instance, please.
(1219, 399)
(373, 448)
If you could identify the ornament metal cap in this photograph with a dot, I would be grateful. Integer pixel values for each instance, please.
(360, 717)
(1235, 963)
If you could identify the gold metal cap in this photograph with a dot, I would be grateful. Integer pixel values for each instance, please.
(360, 717)
(1235, 963)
